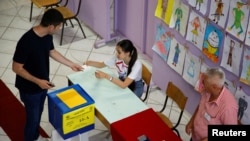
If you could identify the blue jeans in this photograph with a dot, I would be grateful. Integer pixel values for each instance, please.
(139, 88)
(33, 103)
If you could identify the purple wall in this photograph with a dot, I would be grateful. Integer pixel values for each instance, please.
(131, 20)
(162, 74)
(136, 21)
(133, 17)
(150, 29)
(142, 32)
(96, 14)
(132, 25)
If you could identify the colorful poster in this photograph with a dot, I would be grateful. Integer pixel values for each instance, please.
(176, 56)
(196, 29)
(218, 12)
(179, 17)
(237, 23)
(164, 10)
(232, 54)
(212, 42)
(244, 106)
(191, 69)
(245, 74)
(200, 5)
(163, 42)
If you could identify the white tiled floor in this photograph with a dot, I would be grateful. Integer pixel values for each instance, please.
(14, 22)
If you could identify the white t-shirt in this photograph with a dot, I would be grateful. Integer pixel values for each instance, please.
(122, 68)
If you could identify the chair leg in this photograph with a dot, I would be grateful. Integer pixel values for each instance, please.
(80, 27)
(177, 132)
(146, 94)
(66, 23)
(71, 23)
(31, 8)
(62, 33)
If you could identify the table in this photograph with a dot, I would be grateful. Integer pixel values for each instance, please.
(120, 109)
(146, 123)
(112, 103)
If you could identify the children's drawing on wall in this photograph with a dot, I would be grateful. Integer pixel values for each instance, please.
(161, 9)
(230, 53)
(245, 74)
(163, 42)
(199, 86)
(160, 29)
(195, 32)
(164, 10)
(176, 56)
(212, 42)
(200, 5)
(179, 14)
(191, 69)
(231, 56)
(230, 85)
(244, 106)
(237, 23)
(247, 39)
(179, 17)
(218, 11)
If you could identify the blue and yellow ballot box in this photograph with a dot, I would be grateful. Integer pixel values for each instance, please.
(71, 111)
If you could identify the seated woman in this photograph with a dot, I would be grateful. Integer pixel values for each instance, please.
(128, 66)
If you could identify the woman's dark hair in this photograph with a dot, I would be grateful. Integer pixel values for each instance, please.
(127, 46)
(51, 17)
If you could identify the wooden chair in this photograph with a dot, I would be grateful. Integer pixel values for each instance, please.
(43, 3)
(68, 14)
(146, 77)
(180, 100)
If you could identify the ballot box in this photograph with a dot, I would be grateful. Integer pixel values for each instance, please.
(71, 111)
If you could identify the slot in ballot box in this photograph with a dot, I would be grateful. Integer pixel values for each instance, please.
(71, 111)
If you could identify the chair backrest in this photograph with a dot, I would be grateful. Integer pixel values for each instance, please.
(176, 95)
(146, 75)
(78, 8)
(178, 98)
(46, 3)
